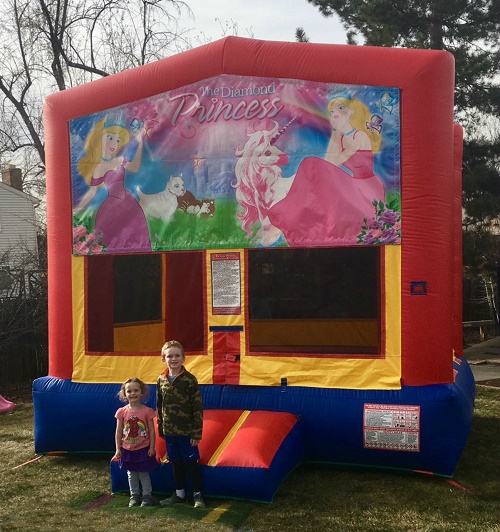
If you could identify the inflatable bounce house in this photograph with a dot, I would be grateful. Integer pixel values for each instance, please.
(289, 212)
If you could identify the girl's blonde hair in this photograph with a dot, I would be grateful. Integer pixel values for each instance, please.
(359, 119)
(93, 147)
(142, 385)
(171, 343)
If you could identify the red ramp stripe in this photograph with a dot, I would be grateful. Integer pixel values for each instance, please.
(216, 425)
(260, 436)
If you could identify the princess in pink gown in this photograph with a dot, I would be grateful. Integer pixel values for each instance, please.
(329, 198)
(120, 220)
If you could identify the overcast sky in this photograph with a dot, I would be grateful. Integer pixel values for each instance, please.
(273, 20)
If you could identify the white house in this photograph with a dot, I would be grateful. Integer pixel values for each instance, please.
(17, 220)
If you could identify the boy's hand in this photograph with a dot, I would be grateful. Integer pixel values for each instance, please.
(194, 443)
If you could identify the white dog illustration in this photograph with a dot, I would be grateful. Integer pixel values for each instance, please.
(164, 204)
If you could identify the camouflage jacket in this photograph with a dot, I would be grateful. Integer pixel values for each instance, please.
(180, 409)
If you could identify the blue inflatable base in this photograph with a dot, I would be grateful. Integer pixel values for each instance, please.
(331, 421)
(228, 483)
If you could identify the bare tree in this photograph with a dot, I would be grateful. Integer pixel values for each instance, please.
(48, 46)
(51, 45)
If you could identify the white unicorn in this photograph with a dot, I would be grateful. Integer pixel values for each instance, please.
(260, 183)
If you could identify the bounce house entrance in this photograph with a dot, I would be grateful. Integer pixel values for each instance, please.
(226, 355)
(135, 301)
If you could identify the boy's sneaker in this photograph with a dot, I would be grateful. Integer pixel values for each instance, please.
(198, 501)
(147, 501)
(135, 500)
(173, 499)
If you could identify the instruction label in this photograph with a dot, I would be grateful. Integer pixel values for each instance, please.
(226, 283)
(392, 427)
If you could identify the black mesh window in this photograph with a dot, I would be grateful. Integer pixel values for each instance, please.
(314, 300)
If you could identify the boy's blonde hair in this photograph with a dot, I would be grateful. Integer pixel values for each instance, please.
(142, 385)
(171, 343)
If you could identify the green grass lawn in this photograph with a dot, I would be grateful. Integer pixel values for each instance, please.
(72, 493)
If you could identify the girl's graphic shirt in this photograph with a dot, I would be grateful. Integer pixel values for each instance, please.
(135, 426)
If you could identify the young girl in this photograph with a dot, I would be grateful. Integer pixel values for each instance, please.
(135, 440)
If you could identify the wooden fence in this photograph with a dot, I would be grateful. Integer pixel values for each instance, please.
(483, 328)
(23, 326)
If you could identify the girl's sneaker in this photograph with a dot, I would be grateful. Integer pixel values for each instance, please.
(147, 501)
(135, 500)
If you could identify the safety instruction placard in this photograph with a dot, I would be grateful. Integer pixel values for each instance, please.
(226, 283)
(391, 427)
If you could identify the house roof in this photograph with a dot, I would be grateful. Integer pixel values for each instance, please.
(8, 188)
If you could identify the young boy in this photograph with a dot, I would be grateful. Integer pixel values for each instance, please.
(180, 421)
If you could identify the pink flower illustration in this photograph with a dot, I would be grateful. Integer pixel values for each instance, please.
(97, 249)
(79, 231)
(85, 243)
(384, 227)
(81, 248)
(90, 239)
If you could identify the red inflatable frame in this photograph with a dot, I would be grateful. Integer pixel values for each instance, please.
(430, 175)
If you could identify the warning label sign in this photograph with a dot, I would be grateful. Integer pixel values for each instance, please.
(392, 427)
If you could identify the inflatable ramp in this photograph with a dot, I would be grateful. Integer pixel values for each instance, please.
(244, 455)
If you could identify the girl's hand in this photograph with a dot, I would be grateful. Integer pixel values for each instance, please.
(117, 455)
(151, 452)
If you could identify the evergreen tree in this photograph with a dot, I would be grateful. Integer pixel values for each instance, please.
(300, 35)
(470, 30)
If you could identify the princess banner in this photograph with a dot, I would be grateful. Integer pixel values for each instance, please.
(239, 162)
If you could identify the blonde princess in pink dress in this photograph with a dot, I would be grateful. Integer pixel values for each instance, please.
(120, 220)
(330, 197)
